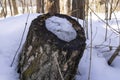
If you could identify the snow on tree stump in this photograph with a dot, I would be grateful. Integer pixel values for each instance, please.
(46, 57)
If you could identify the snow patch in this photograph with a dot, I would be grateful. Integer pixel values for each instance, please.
(62, 28)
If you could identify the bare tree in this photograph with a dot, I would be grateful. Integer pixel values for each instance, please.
(106, 17)
(86, 17)
(23, 5)
(15, 9)
(40, 6)
(4, 8)
(27, 4)
(111, 8)
(9, 2)
(68, 7)
(53, 6)
(62, 7)
(114, 55)
(31, 5)
(78, 8)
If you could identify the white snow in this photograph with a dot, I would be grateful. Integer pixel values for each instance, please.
(101, 52)
(61, 27)
(11, 30)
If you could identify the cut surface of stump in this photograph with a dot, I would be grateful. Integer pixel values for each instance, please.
(45, 56)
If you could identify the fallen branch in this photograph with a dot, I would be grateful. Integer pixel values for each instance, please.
(114, 55)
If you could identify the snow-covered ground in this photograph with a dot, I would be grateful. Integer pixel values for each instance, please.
(11, 30)
(10, 34)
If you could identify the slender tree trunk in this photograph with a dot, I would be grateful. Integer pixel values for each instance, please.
(31, 5)
(9, 2)
(40, 6)
(28, 6)
(78, 8)
(62, 7)
(5, 8)
(15, 9)
(53, 6)
(114, 55)
(23, 5)
(86, 17)
(111, 6)
(106, 18)
(68, 7)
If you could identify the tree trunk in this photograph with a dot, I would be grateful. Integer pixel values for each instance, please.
(106, 18)
(23, 6)
(114, 55)
(111, 8)
(53, 6)
(3, 11)
(86, 17)
(31, 5)
(78, 8)
(15, 9)
(46, 57)
(38, 2)
(68, 7)
(28, 5)
(5, 8)
(9, 2)
(62, 7)
(40, 6)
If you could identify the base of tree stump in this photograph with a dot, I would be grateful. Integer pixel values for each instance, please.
(45, 57)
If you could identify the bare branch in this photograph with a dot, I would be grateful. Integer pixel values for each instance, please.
(114, 55)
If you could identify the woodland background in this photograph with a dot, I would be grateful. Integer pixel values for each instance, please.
(77, 8)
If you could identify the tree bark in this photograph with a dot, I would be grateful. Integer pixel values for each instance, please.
(5, 8)
(68, 7)
(15, 9)
(86, 17)
(53, 6)
(111, 8)
(46, 57)
(9, 2)
(23, 5)
(3, 11)
(114, 55)
(78, 8)
(40, 6)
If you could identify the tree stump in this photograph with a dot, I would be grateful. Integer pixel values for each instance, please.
(46, 57)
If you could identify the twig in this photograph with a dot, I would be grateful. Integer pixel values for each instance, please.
(114, 30)
(3, 9)
(55, 57)
(115, 6)
(72, 11)
(118, 48)
(114, 55)
(20, 41)
(89, 74)
(118, 26)
(106, 18)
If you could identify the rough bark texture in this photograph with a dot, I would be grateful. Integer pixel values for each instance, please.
(45, 57)
(40, 6)
(15, 9)
(78, 8)
(52, 6)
